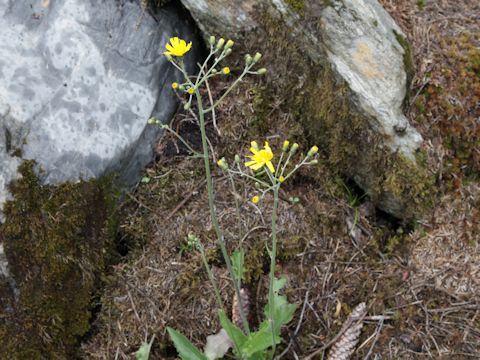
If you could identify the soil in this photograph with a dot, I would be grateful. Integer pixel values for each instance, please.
(420, 282)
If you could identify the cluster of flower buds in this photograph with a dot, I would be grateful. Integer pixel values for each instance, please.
(252, 60)
(221, 44)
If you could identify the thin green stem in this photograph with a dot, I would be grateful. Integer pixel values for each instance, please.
(273, 254)
(211, 205)
(242, 75)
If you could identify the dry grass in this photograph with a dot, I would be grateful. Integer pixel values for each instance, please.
(421, 285)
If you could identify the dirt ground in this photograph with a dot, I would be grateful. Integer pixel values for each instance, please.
(421, 282)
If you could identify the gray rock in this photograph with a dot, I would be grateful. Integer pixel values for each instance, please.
(364, 50)
(79, 81)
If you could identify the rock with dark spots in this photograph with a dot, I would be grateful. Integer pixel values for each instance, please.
(348, 67)
(79, 80)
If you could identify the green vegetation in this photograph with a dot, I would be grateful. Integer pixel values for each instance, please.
(58, 240)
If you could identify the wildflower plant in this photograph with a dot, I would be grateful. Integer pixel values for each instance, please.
(267, 173)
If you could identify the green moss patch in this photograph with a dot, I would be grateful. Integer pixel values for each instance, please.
(58, 240)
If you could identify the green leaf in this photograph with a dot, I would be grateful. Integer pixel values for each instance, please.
(238, 261)
(144, 352)
(260, 340)
(234, 333)
(185, 348)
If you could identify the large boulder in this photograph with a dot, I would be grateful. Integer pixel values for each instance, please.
(343, 66)
(79, 80)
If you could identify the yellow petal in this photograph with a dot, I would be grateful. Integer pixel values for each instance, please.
(257, 166)
(253, 150)
(250, 163)
(169, 47)
(189, 45)
(270, 167)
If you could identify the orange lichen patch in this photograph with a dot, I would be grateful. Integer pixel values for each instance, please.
(365, 61)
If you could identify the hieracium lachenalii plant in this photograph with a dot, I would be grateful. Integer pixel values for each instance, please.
(268, 170)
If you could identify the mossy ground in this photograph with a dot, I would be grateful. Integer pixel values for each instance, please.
(421, 279)
(58, 241)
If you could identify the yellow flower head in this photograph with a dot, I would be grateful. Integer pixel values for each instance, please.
(281, 179)
(226, 70)
(255, 199)
(261, 158)
(177, 47)
(191, 91)
(174, 85)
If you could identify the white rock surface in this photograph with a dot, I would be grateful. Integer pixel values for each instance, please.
(79, 80)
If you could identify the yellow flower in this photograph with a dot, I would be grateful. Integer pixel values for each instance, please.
(177, 47)
(191, 91)
(174, 86)
(261, 158)
(255, 199)
(226, 70)
(286, 143)
(281, 179)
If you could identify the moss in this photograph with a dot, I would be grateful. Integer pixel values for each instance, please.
(407, 60)
(297, 5)
(57, 240)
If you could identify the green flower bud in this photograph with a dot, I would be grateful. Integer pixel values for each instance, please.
(258, 186)
(285, 146)
(257, 57)
(237, 159)
(261, 71)
(181, 87)
(151, 121)
(313, 162)
(228, 52)
(214, 71)
(312, 151)
(222, 163)
(229, 44)
(212, 40)
(186, 106)
(255, 145)
(293, 149)
(248, 59)
(220, 43)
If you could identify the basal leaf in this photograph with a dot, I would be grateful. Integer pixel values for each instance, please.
(185, 348)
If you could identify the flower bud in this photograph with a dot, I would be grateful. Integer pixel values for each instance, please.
(220, 43)
(237, 159)
(257, 57)
(248, 59)
(261, 71)
(191, 90)
(255, 145)
(228, 52)
(258, 186)
(313, 162)
(151, 121)
(286, 143)
(181, 87)
(293, 149)
(312, 151)
(214, 71)
(211, 41)
(281, 179)
(229, 44)
(186, 106)
(222, 163)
